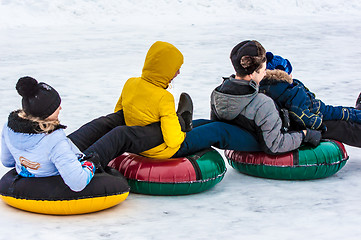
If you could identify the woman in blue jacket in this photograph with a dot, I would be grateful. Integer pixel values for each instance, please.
(34, 141)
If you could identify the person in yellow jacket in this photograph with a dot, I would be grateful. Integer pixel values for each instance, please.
(145, 100)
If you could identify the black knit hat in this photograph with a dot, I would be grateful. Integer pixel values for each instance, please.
(245, 48)
(39, 99)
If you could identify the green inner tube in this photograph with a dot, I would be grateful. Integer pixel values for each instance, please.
(178, 176)
(304, 163)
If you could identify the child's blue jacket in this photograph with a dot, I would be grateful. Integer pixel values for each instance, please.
(291, 94)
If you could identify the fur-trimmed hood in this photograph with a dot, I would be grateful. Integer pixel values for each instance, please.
(276, 76)
(41, 154)
(24, 134)
(21, 125)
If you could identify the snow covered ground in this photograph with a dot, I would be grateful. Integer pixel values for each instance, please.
(88, 49)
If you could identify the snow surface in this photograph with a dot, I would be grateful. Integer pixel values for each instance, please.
(87, 49)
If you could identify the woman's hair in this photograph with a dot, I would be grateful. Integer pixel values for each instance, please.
(248, 57)
(46, 126)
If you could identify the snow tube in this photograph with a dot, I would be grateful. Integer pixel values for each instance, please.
(176, 176)
(302, 164)
(50, 195)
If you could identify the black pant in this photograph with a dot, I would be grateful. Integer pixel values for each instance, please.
(346, 132)
(109, 137)
(89, 133)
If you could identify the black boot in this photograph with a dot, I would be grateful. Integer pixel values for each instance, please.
(358, 102)
(185, 112)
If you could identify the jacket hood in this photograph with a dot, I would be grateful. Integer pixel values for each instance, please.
(228, 106)
(22, 141)
(276, 76)
(163, 60)
(22, 133)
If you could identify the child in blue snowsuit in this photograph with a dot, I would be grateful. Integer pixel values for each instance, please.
(305, 110)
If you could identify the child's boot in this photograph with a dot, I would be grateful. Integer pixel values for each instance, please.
(358, 102)
(185, 112)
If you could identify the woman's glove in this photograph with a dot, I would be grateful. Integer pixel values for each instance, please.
(88, 165)
(95, 159)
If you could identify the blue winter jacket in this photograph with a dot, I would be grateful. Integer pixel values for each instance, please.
(42, 154)
(303, 107)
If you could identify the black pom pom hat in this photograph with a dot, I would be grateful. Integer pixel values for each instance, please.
(39, 99)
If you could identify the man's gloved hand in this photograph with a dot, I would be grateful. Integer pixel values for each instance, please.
(312, 137)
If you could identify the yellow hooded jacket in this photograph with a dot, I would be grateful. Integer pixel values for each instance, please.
(145, 100)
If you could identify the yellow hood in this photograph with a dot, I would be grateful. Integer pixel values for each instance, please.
(163, 60)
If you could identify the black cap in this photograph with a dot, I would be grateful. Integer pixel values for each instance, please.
(245, 48)
(39, 99)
